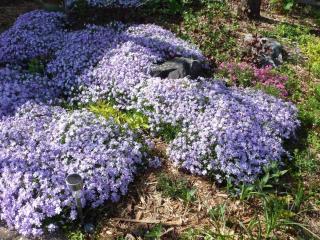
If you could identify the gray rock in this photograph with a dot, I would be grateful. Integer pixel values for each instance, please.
(268, 51)
(274, 56)
(178, 68)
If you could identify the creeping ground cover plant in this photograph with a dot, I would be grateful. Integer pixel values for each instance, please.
(225, 132)
(41, 144)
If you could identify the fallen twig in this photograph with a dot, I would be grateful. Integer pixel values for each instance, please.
(150, 221)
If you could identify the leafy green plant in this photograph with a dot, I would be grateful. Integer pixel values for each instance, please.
(218, 215)
(154, 233)
(77, 235)
(305, 160)
(283, 6)
(168, 132)
(168, 7)
(312, 49)
(205, 29)
(269, 89)
(293, 84)
(292, 32)
(310, 109)
(36, 65)
(176, 188)
(133, 118)
(262, 186)
(195, 234)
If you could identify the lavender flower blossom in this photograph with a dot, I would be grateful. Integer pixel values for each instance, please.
(40, 145)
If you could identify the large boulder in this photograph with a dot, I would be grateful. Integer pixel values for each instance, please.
(178, 67)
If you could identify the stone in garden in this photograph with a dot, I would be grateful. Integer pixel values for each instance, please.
(267, 51)
(178, 68)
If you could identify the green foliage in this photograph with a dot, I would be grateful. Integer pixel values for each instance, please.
(76, 235)
(133, 118)
(168, 7)
(205, 29)
(270, 178)
(154, 233)
(240, 75)
(293, 84)
(168, 132)
(218, 214)
(176, 188)
(81, 8)
(283, 6)
(312, 49)
(291, 32)
(220, 230)
(309, 44)
(36, 66)
(310, 109)
(305, 161)
(195, 234)
(272, 90)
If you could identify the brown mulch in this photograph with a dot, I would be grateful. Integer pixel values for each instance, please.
(145, 205)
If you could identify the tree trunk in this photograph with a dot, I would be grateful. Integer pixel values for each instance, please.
(249, 9)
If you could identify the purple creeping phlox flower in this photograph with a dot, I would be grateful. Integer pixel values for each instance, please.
(17, 87)
(37, 33)
(40, 145)
(107, 62)
(227, 132)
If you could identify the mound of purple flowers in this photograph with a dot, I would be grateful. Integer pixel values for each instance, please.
(34, 34)
(40, 145)
(16, 88)
(226, 132)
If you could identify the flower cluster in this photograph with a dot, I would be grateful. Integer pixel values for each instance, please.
(34, 34)
(229, 132)
(107, 62)
(226, 131)
(112, 3)
(41, 144)
(245, 75)
(17, 88)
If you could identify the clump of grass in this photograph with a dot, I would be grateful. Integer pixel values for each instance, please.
(168, 132)
(154, 233)
(311, 48)
(176, 188)
(134, 119)
(310, 108)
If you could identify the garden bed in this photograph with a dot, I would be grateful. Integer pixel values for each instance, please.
(219, 130)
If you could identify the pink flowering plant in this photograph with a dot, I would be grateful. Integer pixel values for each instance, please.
(246, 75)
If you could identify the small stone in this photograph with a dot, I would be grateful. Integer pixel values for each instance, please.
(267, 51)
(89, 228)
